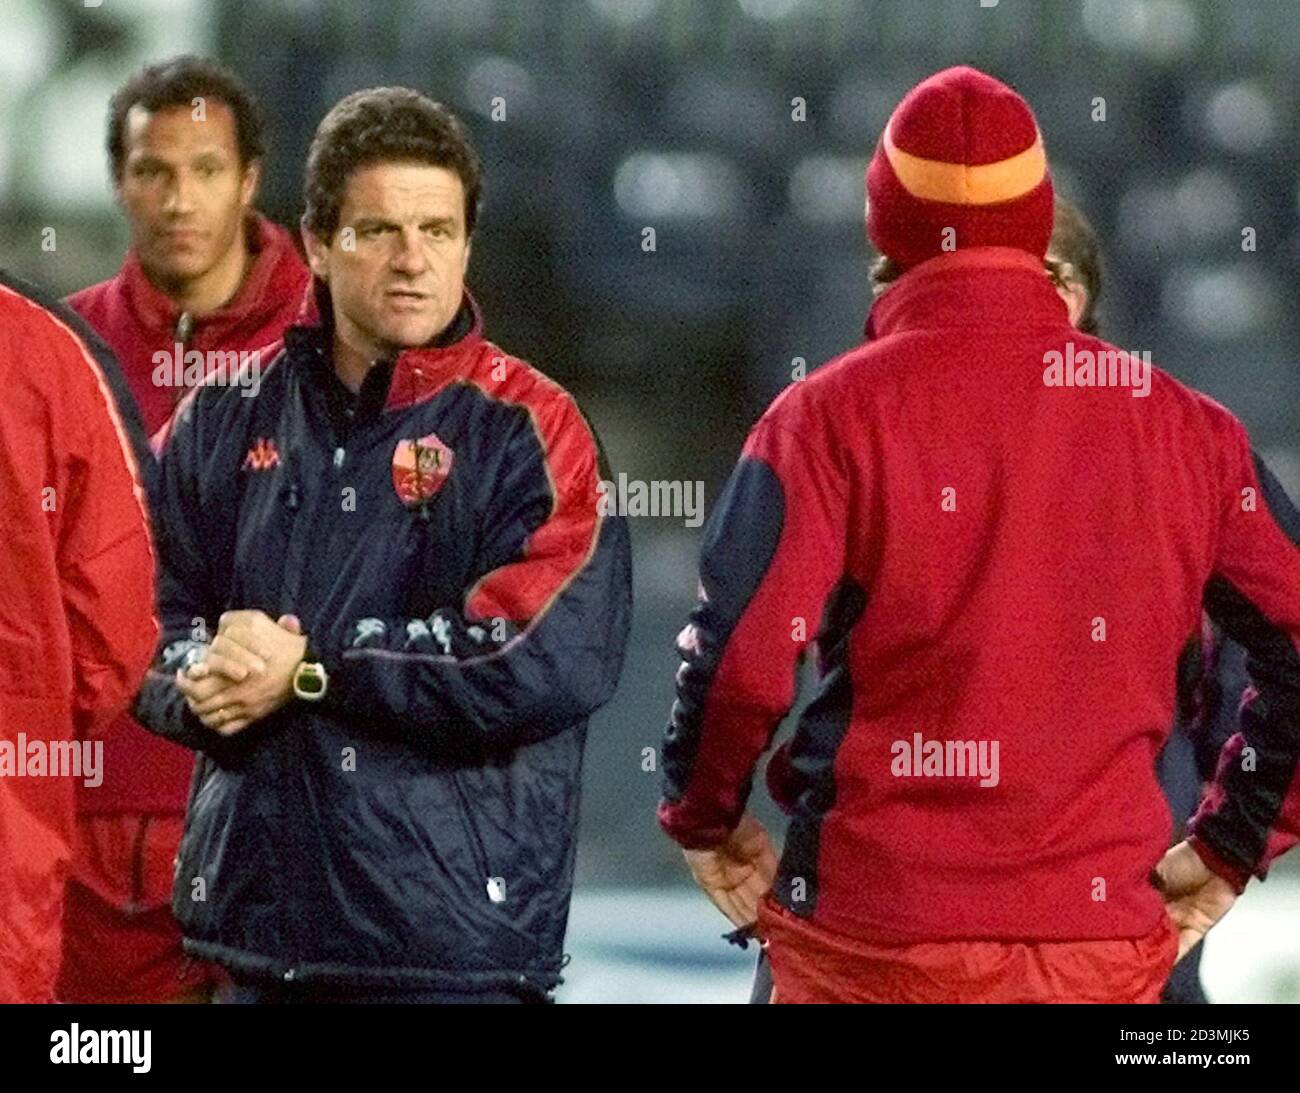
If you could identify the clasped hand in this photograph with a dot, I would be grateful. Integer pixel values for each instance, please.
(246, 673)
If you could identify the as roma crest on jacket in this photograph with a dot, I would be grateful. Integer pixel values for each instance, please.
(420, 467)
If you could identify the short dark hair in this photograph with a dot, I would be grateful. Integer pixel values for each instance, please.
(385, 125)
(1078, 258)
(178, 82)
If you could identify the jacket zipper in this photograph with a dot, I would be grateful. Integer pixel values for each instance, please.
(183, 333)
(293, 583)
(300, 532)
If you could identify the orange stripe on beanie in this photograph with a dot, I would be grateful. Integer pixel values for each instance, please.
(960, 164)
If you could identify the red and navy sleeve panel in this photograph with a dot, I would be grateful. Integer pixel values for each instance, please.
(536, 644)
(105, 549)
(1251, 811)
(774, 547)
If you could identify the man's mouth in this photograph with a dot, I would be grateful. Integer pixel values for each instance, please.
(183, 236)
(405, 299)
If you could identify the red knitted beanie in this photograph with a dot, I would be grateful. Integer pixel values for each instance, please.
(960, 164)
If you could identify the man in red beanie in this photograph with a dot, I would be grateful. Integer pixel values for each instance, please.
(1000, 531)
(206, 283)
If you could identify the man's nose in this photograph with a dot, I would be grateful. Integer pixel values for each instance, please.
(180, 194)
(410, 257)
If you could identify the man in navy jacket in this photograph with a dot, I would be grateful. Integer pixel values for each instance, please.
(418, 603)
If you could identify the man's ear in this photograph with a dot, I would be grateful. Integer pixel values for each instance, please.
(317, 252)
(248, 185)
(1076, 300)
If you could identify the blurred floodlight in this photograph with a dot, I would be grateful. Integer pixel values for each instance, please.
(27, 53)
(1164, 29)
(1241, 118)
(1220, 303)
(495, 77)
(1208, 205)
(671, 185)
(828, 188)
(67, 163)
(28, 46)
(624, 11)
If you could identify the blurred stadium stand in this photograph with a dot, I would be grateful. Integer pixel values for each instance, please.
(676, 115)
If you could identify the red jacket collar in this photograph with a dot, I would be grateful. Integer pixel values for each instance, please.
(276, 270)
(999, 286)
(418, 374)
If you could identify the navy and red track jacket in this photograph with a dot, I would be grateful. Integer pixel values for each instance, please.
(77, 627)
(982, 557)
(440, 538)
(143, 773)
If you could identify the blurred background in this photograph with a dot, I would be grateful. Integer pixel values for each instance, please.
(680, 115)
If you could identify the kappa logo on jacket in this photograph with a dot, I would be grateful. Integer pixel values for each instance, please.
(420, 467)
(262, 456)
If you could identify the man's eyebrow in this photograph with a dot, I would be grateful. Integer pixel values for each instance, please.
(383, 222)
(216, 154)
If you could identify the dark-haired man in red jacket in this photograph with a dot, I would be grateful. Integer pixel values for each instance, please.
(999, 531)
(207, 282)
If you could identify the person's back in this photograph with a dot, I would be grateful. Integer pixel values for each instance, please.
(1006, 529)
(1027, 562)
(77, 629)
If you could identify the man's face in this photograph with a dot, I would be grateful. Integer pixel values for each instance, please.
(183, 189)
(396, 264)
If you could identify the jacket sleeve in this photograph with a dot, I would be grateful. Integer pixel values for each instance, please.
(1251, 811)
(535, 644)
(1226, 683)
(774, 549)
(105, 554)
(187, 600)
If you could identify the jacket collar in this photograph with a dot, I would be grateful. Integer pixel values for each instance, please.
(985, 286)
(271, 248)
(414, 375)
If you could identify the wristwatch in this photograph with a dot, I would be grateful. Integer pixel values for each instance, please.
(310, 680)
